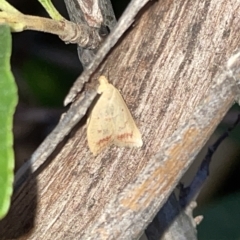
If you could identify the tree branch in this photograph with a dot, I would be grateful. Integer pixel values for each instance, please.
(173, 81)
(149, 189)
(79, 107)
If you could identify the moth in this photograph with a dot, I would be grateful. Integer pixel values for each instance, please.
(110, 121)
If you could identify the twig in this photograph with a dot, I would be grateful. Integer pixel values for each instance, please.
(188, 194)
(66, 30)
(94, 14)
(5, 6)
(171, 223)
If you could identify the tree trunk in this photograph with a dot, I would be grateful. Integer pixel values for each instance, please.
(166, 66)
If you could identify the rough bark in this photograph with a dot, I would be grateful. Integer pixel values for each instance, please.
(171, 223)
(169, 68)
(96, 15)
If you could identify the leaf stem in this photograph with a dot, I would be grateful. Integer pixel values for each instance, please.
(51, 10)
(7, 7)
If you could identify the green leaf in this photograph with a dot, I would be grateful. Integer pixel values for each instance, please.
(8, 101)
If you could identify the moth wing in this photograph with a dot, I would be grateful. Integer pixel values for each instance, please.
(110, 121)
(100, 126)
(126, 133)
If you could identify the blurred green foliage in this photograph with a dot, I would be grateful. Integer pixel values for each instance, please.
(48, 84)
(221, 219)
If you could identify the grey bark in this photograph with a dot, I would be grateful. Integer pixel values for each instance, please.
(96, 15)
